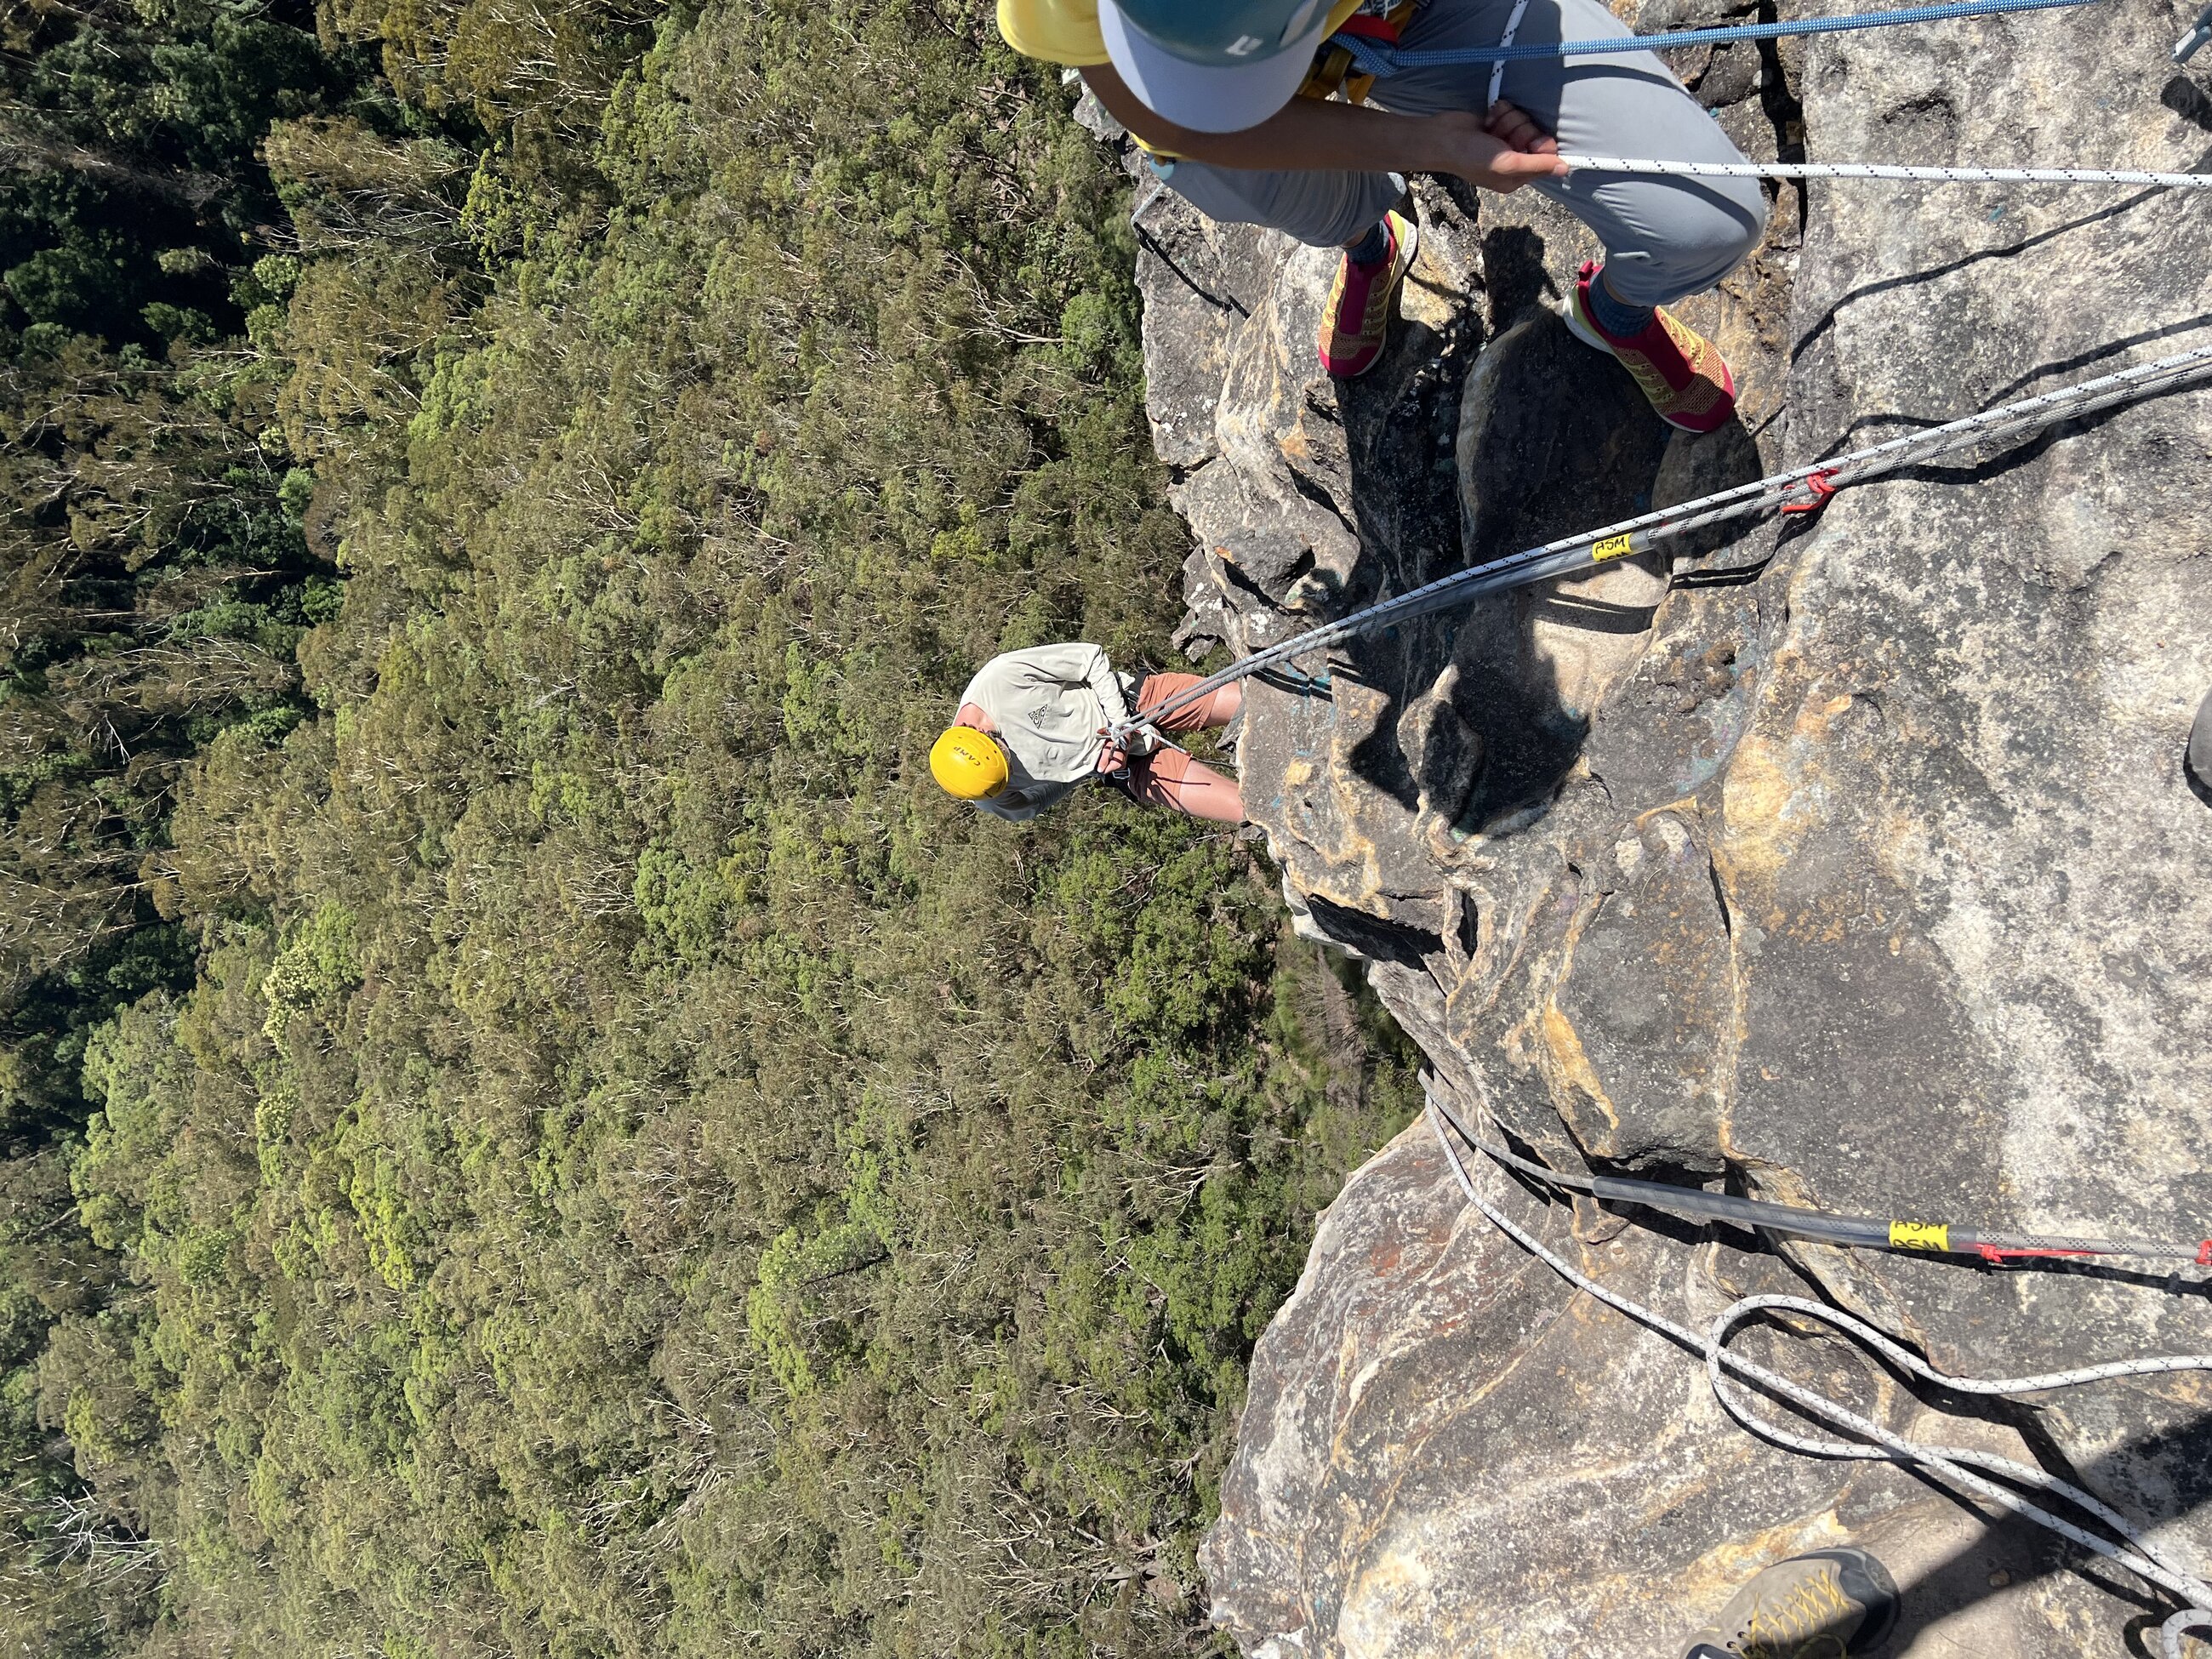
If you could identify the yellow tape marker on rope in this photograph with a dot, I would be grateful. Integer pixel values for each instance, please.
(1612, 547)
(1919, 1235)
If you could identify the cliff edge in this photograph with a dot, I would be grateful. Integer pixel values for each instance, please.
(1847, 862)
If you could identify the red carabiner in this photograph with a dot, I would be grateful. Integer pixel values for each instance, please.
(1821, 485)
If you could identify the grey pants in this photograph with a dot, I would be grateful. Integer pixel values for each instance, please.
(1663, 237)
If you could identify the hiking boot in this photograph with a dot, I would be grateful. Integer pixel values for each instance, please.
(1357, 315)
(1821, 1605)
(1681, 372)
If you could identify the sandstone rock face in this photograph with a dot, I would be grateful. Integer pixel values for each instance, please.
(1851, 863)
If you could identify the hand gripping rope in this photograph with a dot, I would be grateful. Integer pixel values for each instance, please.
(1725, 1369)
(1800, 490)
(1376, 58)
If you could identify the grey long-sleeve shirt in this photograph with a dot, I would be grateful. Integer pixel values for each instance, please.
(1048, 703)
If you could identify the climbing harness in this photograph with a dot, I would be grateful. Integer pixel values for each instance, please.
(1877, 170)
(1379, 58)
(1725, 1369)
(1859, 1231)
(1800, 490)
(1335, 69)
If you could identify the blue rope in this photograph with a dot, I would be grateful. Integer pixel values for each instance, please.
(1375, 58)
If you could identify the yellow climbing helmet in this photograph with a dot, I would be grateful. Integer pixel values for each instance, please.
(968, 763)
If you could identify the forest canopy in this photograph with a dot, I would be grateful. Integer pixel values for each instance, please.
(531, 1125)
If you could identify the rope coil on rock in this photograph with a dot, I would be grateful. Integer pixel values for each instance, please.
(1797, 489)
(1882, 170)
(1725, 1369)
(1375, 58)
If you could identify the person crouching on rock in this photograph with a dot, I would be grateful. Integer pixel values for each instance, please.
(1233, 101)
(1034, 724)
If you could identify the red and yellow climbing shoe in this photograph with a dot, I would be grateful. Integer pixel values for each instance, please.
(1681, 372)
(1357, 315)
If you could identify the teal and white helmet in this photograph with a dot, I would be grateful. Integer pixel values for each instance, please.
(1213, 65)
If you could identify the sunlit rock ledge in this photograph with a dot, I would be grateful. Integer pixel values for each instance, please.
(1846, 862)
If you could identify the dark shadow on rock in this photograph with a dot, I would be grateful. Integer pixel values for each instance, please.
(1849, 436)
(1374, 937)
(1592, 615)
(2187, 100)
(1808, 337)
(2018, 1549)
(2017, 455)
(1453, 457)
(1400, 422)
(1160, 250)
(1514, 275)
(1555, 440)
(2103, 353)
(1382, 661)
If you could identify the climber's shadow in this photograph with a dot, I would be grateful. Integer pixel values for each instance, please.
(2011, 1551)
(1552, 439)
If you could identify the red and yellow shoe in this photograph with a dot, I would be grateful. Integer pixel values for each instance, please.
(1681, 372)
(1357, 316)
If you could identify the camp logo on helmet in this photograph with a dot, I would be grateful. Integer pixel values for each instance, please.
(1244, 45)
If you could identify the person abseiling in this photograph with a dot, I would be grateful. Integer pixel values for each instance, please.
(1232, 100)
(1033, 723)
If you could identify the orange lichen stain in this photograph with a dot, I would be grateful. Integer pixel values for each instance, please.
(1764, 781)
(1685, 807)
(1828, 919)
(2190, 1387)
(1379, 1603)
(1753, 798)
(1573, 1065)
(1566, 1068)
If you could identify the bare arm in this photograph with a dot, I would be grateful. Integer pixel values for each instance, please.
(1501, 151)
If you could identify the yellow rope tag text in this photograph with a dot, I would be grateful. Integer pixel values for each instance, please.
(1612, 547)
(1919, 1235)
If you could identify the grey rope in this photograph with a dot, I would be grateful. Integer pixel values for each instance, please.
(1956, 1464)
(1878, 170)
(1858, 1231)
(1798, 488)
(2199, 33)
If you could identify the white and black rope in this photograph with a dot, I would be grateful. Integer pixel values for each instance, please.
(1800, 486)
(1959, 1465)
(1918, 175)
